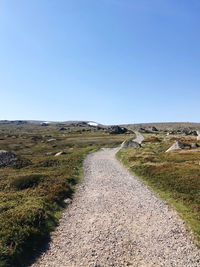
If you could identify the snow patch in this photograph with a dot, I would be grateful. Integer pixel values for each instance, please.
(92, 123)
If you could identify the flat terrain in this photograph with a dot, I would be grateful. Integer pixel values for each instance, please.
(115, 220)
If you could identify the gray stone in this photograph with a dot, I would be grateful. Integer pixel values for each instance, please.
(7, 158)
(176, 146)
(154, 129)
(68, 201)
(130, 143)
(60, 153)
(194, 145)
(51, 140)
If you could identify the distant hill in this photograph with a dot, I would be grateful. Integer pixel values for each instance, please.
(160, 126)
(38, 122)
(165, 125)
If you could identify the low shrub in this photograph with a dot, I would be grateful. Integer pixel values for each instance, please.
(22, 163)
(27, 181)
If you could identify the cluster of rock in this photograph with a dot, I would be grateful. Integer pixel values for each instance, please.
(148, 130)
(7, 158)
(178, 145)
(184, 131)
(117, 130)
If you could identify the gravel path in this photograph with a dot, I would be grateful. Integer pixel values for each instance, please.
(139, 138)
(115, 220)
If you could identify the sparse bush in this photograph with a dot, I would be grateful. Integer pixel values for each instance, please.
(21, 163)
(32, 191)
(27, 181)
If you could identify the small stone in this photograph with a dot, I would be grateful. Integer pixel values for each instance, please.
(68, 201)
(60, 153)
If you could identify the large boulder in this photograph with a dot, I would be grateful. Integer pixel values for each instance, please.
(130, 143)
(194, 145)
(176, 146)
(7, 158)
(117, 130)
(154, 129)
(198, 135)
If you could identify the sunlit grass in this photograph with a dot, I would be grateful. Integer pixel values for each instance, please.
(32, 191)
(175, 175)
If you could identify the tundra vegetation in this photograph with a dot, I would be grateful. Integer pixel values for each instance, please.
(33, 189)
(174, 175)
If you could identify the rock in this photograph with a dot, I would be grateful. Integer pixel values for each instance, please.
(195, 133)
(51, 140)
(142, 129)
(176, 146)
(170, 133)
(198, 135)
(117, 130)
(62, 129)
(44, 124)
(60, 153)
(68, 201)
(7, 158)
(130, 143)
(194, 145)
(154, 129)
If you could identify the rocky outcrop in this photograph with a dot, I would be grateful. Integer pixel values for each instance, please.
(194, 145)
(117, 130)
(184, 131)
(154, 129)
(7, 158)
(176, 146)
(130, 143)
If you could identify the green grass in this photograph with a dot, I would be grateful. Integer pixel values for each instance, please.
(32, 191)
(175, 175)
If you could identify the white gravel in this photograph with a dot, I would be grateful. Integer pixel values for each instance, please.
(115, 220)
(139, 138)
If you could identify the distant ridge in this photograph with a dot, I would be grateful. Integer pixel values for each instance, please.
(133, 126)
(164, 125)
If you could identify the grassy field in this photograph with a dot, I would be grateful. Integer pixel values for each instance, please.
(174, 175)
(32, 191)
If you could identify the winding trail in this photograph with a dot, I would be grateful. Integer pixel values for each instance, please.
(139, 137)
(115, 220)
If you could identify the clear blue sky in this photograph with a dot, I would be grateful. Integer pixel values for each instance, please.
(111, 61)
